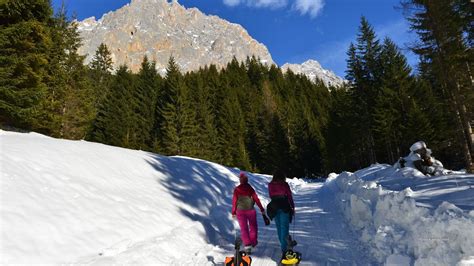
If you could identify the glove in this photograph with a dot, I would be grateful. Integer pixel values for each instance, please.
(266, 219)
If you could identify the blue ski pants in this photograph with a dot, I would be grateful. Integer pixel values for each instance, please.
(282, 220)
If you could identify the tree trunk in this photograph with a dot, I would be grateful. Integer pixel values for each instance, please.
(466, 130)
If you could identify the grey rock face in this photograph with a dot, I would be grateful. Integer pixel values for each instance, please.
(313, 70)
(160, 29)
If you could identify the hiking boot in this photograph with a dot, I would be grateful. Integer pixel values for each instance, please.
(293, 243)
(248, 249)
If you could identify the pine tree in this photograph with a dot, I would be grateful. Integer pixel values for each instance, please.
(255, 71)
(364, 73)
(113, 122)
(293, 121)
(270, 139)
(232, 135)
(102, 60)
(231, 121)
(177, 118)
(419, 125)
(25, 43)
(444, 28)
(305, 160)
(206, 136)
(143, 102)
(69, 85)
(440, 118)
(316, 115)
(387, 121)
(391, 106)
(101, 68)
(343, 152)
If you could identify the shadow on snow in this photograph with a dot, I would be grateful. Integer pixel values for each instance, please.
(200, 186)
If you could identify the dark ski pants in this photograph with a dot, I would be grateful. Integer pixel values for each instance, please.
(282, 220)
(248, 226)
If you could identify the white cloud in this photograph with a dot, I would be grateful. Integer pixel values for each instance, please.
(311, 7)
(273, 4)
(231, 2)
(267, 3)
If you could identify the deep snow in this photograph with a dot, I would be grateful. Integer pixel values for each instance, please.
(403, 215)
(75, 202)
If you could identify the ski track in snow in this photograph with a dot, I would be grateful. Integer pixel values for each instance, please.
(322, 234)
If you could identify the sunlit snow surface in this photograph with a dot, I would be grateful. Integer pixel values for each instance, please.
(79, 202)
(401, 213)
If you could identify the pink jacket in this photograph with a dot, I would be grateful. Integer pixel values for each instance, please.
(281, 189)
(245, 190)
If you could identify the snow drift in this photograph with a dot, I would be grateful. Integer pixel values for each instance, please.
(68, 201)
(404, 216)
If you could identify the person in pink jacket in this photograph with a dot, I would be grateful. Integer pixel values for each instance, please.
(243, 207)
(281, 207)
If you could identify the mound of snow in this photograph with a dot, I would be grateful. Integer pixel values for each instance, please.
(68, 201)
(401, 214)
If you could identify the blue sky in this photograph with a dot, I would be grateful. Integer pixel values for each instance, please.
(293, 30)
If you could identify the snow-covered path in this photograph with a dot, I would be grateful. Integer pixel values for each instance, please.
(322, 234)
(87, 203)
(77, 202)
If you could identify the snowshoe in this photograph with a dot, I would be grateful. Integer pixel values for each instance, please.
(290, 257)
(240, 258)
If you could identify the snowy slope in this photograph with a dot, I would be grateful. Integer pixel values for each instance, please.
(69, 201)
(405, 216)
(75, 202)
(78, 202)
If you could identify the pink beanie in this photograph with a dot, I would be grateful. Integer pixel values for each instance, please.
(243, 178)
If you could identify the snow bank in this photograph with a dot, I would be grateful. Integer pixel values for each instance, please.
(79, 202)
(401, 214)
(296, 184)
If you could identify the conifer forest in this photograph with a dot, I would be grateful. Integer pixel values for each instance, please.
(248, 114)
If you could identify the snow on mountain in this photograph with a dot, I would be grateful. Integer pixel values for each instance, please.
(313, 70)
(160, 29)
(79, 202)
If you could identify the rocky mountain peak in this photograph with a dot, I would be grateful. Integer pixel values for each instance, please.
(160, 29)
(313, 70)
(311, 64)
